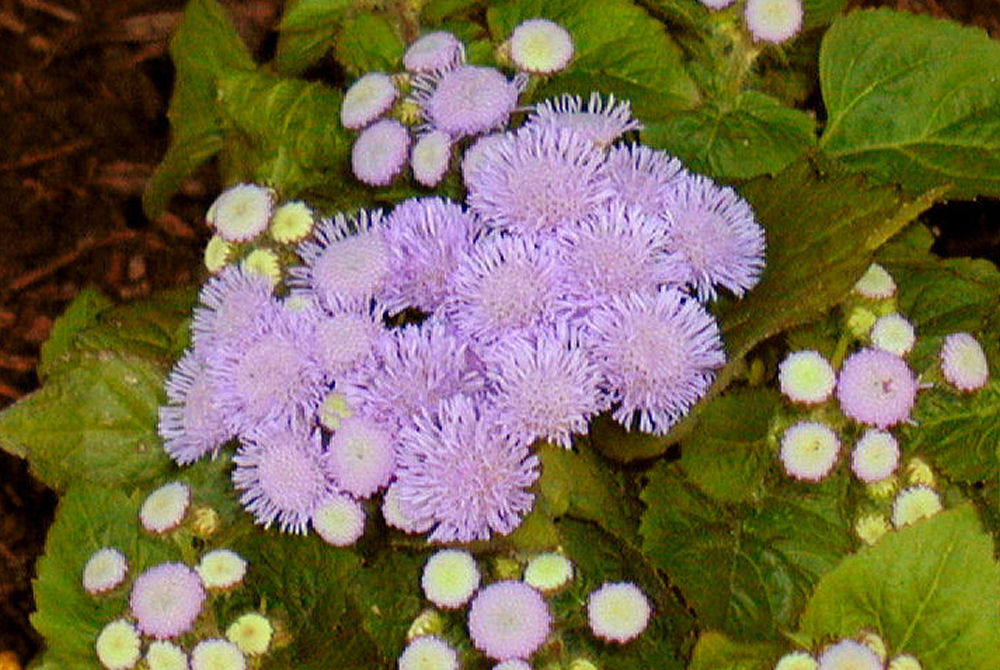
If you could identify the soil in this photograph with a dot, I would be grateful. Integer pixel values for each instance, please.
(84, 86)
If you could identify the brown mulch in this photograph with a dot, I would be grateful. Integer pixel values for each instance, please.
(84, 86)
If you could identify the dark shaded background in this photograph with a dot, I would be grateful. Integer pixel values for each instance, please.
(84, 86)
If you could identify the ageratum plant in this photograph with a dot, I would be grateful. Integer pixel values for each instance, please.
(544, 334)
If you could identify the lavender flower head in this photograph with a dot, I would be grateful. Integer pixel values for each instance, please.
(426, 238)
(658, 353)
(467, 99)
(598, 120)
(415, 367)
(166, 599)
(345, 339)
(539, 180)
(279, 472)
(430, 157)
(229, 304)
(509, 620)
(346, 261)
(507, 285)
(359, 456)
(541, 46)
(616, 252)
(642, 177)
(877, 388)
(380, 152)
(714, 230)
(192, 424)
(546, 387)
(434, 51)
(458, 470)
(367, 99)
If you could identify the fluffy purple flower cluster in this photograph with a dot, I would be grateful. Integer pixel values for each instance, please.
(573, 282)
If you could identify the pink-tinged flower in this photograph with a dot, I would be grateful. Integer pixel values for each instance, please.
(229, 304)
(118, 646)
(539, 180)
(540, 46)
(339, 520)
(241, 212)
(877, 388)
(280, 476)
(806, 377)
(475, 155)
(658, 354)
(545, 387)
(598, 120)
(380, 152)
(516, 664)
(849, 654)
(346, 261)
(963, 362)
(272, 376)
(415, 367)
(221, 569)
(427, 238)
(434, 51)
(217, 654)
(509, 620)
(430, 157)
(893, 333)
(773, 20)
(105, 569)
(618, 612)
(809, 450)
(717, 4)
(507, 285)
(466, 99)
(164, 509)
(192, 425)
(458, 470)
(875, 456)
(368, 98)
(875, 283)
(392, 512)
(428, 652)
(641, 176)
(359, 456)
(345, 339)
(713, 230)
(450, 578)
(615, 252)
(166, 599)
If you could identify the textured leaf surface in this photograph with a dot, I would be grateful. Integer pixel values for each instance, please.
(367, 43)
(914, 100)
(307, 32)
(931, 589)
(753, 135)
(88, 518)
(388, 597)
(727, 454)
(80, 314)
(204, 48)
(620, 49)
(747, 571)
(715, 651)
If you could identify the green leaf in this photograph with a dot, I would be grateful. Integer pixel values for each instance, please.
(727, 454)
(80, 314)
(715, 651)
(753, 135)
(619, 49)
(913, 100)
(369, 42)
(434, 12)
(307, 32)
(88, 518)
(747, 571)
(387, 594)
(295, 140)
(204, 48)
(820, 12)
(931, 589)
(95, 421)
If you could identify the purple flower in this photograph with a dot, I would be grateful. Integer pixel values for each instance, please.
(658, 353)
(430, 157)
(963, 362)
(618, 611)
(619, 251)
(415, 367)
(876, 387)
(192, 425)
(345, 339)
(475, 155)
(367, 99)
(426, 237)
(458, 470)
(641, 176)
(467, 99)
(230, 302)
(540, 179)
(507, 285)
(713, 230)
(359, 456)
(545, 387)
(279, 472)
(380, 152)
(273, 375)
(346, 260)
(508, 620)
(600, 121)
(166, 599)
(439, 50)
